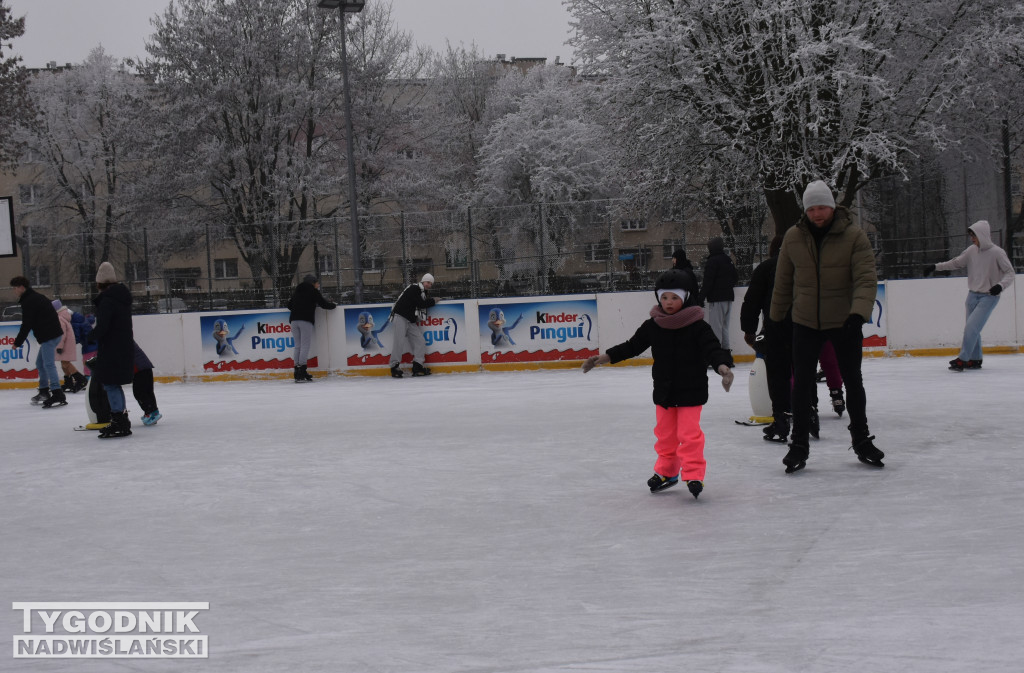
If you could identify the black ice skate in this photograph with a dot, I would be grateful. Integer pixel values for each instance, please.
(778, 430)
(957, 365)
(867, 452)
(41, 396)
(396, 372)
(419, 370)
(838, 403)
(695, 487)
(973, 364)
(815, 424)
(56, 399)
(119, 426)
(796, 459)
(660, 483)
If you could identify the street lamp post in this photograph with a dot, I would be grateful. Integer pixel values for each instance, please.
(350, 7)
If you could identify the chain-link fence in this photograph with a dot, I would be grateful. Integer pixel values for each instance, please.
(596, 246)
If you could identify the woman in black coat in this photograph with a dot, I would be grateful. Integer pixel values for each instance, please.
(114, 338)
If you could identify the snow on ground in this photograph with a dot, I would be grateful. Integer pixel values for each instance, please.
(500, 522)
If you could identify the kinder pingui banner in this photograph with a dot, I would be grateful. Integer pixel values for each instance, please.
(248, 342)
(875, 331)
(369, 337)
(538, 331)
(17, 364)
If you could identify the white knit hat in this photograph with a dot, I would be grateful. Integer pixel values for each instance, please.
(106, 273)
(427, 278)
(818, 194)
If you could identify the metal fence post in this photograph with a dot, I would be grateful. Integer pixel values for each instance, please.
(406, 271)
(474, 272)
(209, 269)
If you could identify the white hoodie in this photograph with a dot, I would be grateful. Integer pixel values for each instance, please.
(987, 264)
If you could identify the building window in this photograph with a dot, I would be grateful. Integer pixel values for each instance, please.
(138, 271)
(422, 265)
(225, 268)
(670, 245)
(373, 263)
(36, 234)
(598, 251)
(86, 274)
(408, 154)
(182, 278)
(635, 224)
(28, 194)
(39, 276)
(456, 259)
(325, 266)
(636, 258)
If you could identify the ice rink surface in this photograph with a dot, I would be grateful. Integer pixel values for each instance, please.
(500, 522)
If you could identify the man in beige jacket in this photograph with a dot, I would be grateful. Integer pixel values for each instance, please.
(826, 276)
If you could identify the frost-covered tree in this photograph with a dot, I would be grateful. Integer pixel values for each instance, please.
(804, 89)
(13, 82)
(89, 134)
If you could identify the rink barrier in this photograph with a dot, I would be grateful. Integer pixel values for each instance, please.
(912, 317)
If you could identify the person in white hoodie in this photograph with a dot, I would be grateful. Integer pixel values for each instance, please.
(989, 272)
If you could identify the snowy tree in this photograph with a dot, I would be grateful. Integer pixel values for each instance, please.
(804, 89)
(89, 134)
(13, 83)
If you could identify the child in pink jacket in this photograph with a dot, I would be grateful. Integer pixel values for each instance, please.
(67, 351)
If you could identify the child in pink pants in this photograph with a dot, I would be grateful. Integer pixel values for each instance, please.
(683, 346)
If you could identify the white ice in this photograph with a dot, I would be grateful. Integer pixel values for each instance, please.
(500, 522)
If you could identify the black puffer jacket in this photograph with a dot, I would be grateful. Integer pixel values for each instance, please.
(681, 359)
(720, 276)
(412, 299)
(304, 301)
(113, 335)
(38, 317)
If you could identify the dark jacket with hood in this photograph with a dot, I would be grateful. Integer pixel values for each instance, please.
(758, 299)
(681, 356)
(720, 276)
(114, 336)
(304, 301)
(39, 317)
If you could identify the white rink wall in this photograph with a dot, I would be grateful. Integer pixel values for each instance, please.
(916, 317)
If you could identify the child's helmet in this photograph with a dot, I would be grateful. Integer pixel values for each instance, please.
(675, 279)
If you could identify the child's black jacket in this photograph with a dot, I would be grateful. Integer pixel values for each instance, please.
(681, 359)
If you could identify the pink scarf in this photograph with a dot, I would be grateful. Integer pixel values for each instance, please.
(687, 316)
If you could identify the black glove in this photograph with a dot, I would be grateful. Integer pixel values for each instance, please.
(854, 322)
(996, 289)
(60, 351)
(928, 270)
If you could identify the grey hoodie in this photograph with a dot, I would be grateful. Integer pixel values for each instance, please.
(987, 264)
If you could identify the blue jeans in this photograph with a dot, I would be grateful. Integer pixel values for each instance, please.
(979, 307)
(47, 365)
(116, 398)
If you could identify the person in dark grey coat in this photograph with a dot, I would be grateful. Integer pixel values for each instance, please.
(720, 278)
(113, 334)
(303, 305)
(40, 318)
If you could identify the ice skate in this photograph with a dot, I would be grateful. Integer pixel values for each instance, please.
(396, 372)
(660, 483)
(815, 424)
(796, 459)
(973, 364)
(152, 417)
(867, 452)
(41, 396)
(958, 365)
(56, 399)
(419, 370)
(695, 487)
(119, 426)
(778, 431)
(838, 403)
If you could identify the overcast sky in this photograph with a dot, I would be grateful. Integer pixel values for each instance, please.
(66, 30)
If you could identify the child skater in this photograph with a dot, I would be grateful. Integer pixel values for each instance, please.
(682, 345)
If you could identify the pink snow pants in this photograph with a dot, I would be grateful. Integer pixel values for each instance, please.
(679, 443)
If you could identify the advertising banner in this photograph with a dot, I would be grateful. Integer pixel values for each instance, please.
(368, 335)
(538, 331)
(875, 331)
(248, 342)
(17, 364)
